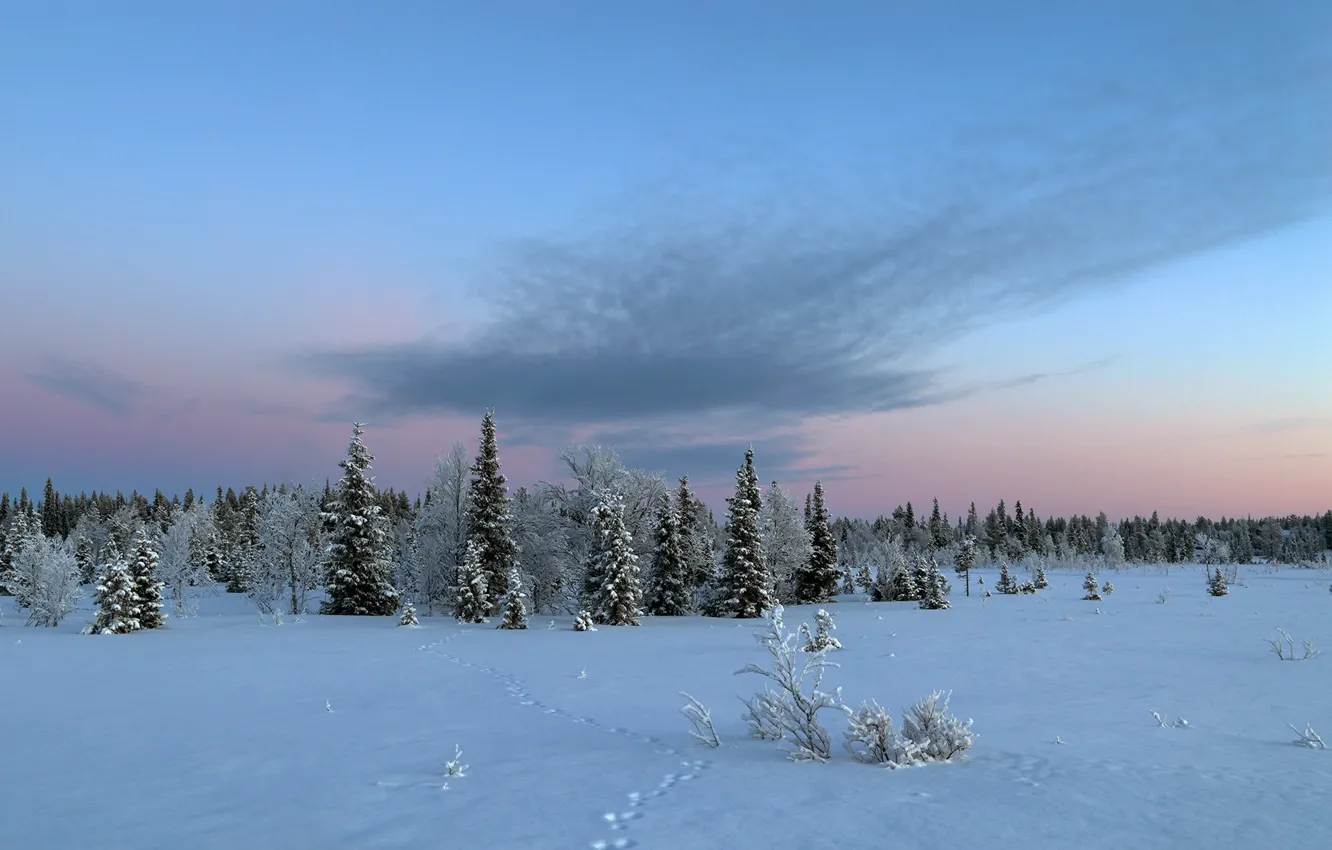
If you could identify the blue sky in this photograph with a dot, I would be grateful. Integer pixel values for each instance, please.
(228, 229)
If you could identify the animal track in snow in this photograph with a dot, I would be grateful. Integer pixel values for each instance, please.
(516, 688)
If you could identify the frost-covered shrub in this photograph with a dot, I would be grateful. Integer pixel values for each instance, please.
(701, 718)
(798, 698)
(51, 580)
(1027, 588)
(1107, 588)
(822, 638)
(583, 622)
(763, 715)
(929, 734)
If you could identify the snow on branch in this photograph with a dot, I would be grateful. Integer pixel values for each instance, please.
(699, 715)
(1308, 738)
(1283, 647)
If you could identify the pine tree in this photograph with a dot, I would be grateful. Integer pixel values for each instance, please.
(148, 590)
(668, 594)
(744, 589)
(360, 578)
(515, 609)
(1107, 588)
(116, 598)
(472, 604)
(619, 600)
(489, 521)
(1216, 583)
(83, 556)
(697, 551)
(816, 582)
(933, 596)
(902, 585)
(1006, 584)
(1040, 582)
(1089, 585)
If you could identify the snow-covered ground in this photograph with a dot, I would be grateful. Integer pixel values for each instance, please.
(216, 732)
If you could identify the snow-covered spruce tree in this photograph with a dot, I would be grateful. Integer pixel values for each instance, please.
(822, 638)
(471, 604)
(489, 522)
(933, 595)
(408, 616)
(358, 575)
(902, 586)
(143, 566)
(786, 540)
(694, 542)
(1093, 590)
(668, 592)
(56, 588)
(816, 581)
(515, 607)
(1216, 583)
(1040, 582)
(619, 600)
(20, 574)
(117, 597)
(744, 589)
(83, 556)
(583, 622)
(1006, 584)
(965, 559)
(1107, 588)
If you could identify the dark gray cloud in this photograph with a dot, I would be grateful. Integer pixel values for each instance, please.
(789, 301)
(90, 384)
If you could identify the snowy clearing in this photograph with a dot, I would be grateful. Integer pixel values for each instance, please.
(335, 732)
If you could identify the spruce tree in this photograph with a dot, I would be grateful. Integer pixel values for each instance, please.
(472, 603)
(515, 609)
(933, 596)
(360, 578)
(489, 521)
(83, 556)
(745, 585)
(619, 600)
(668, 593)
(143, 566)
(116, 598)
(1093, 590)
(965, 560)
(1216, 583)
(694, 546)
(408, 617)
(1040, 582)
(1006, 584)
(902, 585)
(816, 582)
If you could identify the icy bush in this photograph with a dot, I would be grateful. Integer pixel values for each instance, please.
(822, 638)
(929, 734)
(701, 718)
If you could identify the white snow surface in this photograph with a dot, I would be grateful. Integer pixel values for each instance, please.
(334, 732)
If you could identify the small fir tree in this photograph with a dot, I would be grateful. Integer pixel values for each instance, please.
(143, 566)
(117, 598)
(583, 622)
(1006, 584)
(83, 556)
(471, 604)
(515, 608)
(965, 559)
(1216, 583)
(1107, 588)
(902, 586)
(934, 595)
(1093, 591)
(408, 617)
(1040, 581)
(822, 638)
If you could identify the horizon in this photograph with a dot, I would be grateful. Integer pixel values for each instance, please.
(1072, 256)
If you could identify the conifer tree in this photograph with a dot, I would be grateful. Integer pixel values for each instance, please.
(116, 598)
(1006, 584)
(1093, 591)
(933, 596)
(902, 585)
(1216, 583)
(965, 560)
(471, 605)
(83, 556)
(744, 588)
(668, 593)
(695, 547)
(816, 582)
(515, 609)
(619, 600)
(360, 578)
(1040, 582)
(408, 617)
(148, 590)
(489, 521)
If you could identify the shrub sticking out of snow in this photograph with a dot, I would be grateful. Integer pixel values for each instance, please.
(1089, 585)
(1164, 597)
(929, 734)
(796, 702)
(699, 715)
(1283, 647)
(822, 638)
(762, 715)
(583, 622)
(408, 617)
(1308, 738)
(939, 734)
(871, 738)
(454, 766)
(1027, 587)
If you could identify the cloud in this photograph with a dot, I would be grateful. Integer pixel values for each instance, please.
(90, 384)
(793, 300)
(1037, 377)
(1294, 423)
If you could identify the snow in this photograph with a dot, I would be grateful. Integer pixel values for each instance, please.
(335, 732)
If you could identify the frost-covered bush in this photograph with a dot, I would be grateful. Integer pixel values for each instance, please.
(797, 700)
(1027, 587)
(701, 718)
(583, 622)
(929, 734)
(822, 638)
(1107, 588)
(50, 580)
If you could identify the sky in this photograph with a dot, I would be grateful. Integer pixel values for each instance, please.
(1073, 254)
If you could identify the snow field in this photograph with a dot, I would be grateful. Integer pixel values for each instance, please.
(214, 732)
